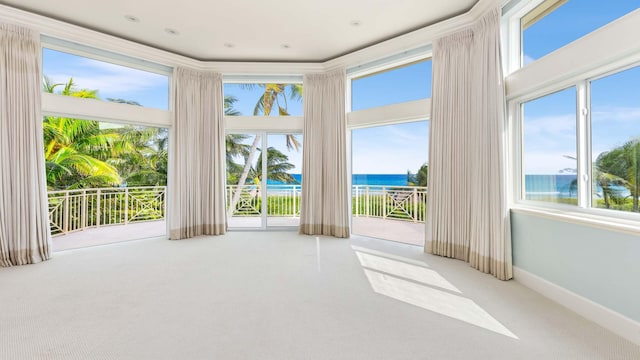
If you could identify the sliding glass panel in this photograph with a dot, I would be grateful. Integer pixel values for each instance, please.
(106, 182)
(389, 189)
(615, 141)
(244, 193)
(549, 148)
(284, 179)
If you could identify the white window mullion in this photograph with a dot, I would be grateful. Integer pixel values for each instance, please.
(583, 145)
(263, 185)
(516, 119)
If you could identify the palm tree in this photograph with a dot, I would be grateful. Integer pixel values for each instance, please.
(277, 167)
(234, 145)
(623, 162)
(603, 178)
(142, 155)
(273, 95)
(235, 148)
(74, 149)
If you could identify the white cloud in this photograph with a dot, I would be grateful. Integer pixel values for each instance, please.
(402, 136)
(109, 79)
(554, 125)
(616, 114)
(548, 162)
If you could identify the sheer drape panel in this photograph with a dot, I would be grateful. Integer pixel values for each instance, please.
(467, 214)
(447, 202)
(198, 166)
(324, 207)
(490, 248)
(24, 220)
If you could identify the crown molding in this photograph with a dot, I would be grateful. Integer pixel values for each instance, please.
(415, 39)
(397, 45)
(77, 34)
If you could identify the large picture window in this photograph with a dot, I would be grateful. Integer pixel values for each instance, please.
(103, 80)
(401, 84)
(266, 99)
(106, 164)
(549, 148)
(607, 144)
(615, 140)
(552, 24)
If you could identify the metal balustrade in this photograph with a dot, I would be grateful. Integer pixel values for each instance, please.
(74, 210)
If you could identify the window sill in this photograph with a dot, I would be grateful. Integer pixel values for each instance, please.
(585, 218)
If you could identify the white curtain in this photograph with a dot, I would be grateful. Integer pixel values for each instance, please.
(197, 196)
(25, 237)
(324, 207)
(467, 212)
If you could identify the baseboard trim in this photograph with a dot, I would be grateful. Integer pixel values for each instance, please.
(603, 316)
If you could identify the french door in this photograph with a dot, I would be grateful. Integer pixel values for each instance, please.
(263, 186)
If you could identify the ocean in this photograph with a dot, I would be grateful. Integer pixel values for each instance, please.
(562, 186)
(364, 179)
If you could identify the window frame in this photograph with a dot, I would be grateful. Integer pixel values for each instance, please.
(512, 34)
(583, 148)
(56, 105)
(518, 106)
(105, 111)
(268, 124)
(408, 111)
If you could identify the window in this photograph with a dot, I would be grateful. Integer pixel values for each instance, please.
(607, 144)
(389, 148)
(389, 181)
(263, 196)
(577, 128)
(539, 27)
(615, 140)
(549, 148)
(106, 182)
(401, 84)
(269, 99)
(106, 165)
(102, 80)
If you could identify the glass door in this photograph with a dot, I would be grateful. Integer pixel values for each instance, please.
(244, 198)
(284, 179)
(252, 201)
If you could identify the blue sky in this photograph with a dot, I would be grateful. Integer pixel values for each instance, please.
(549, 121)
(111, 81)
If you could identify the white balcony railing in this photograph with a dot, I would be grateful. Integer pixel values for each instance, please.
(282, 200)
(73, 210)
(407, 203)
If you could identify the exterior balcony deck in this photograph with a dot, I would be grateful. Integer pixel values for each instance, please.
(89, 217)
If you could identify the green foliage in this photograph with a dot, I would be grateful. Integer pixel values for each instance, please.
(83, 154)
(421, 178)
(274, 96)
(277, 167)
(622, 165)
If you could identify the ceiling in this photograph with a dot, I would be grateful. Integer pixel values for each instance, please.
(250, 30)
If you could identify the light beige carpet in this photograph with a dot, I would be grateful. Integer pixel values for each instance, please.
(268, 295)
